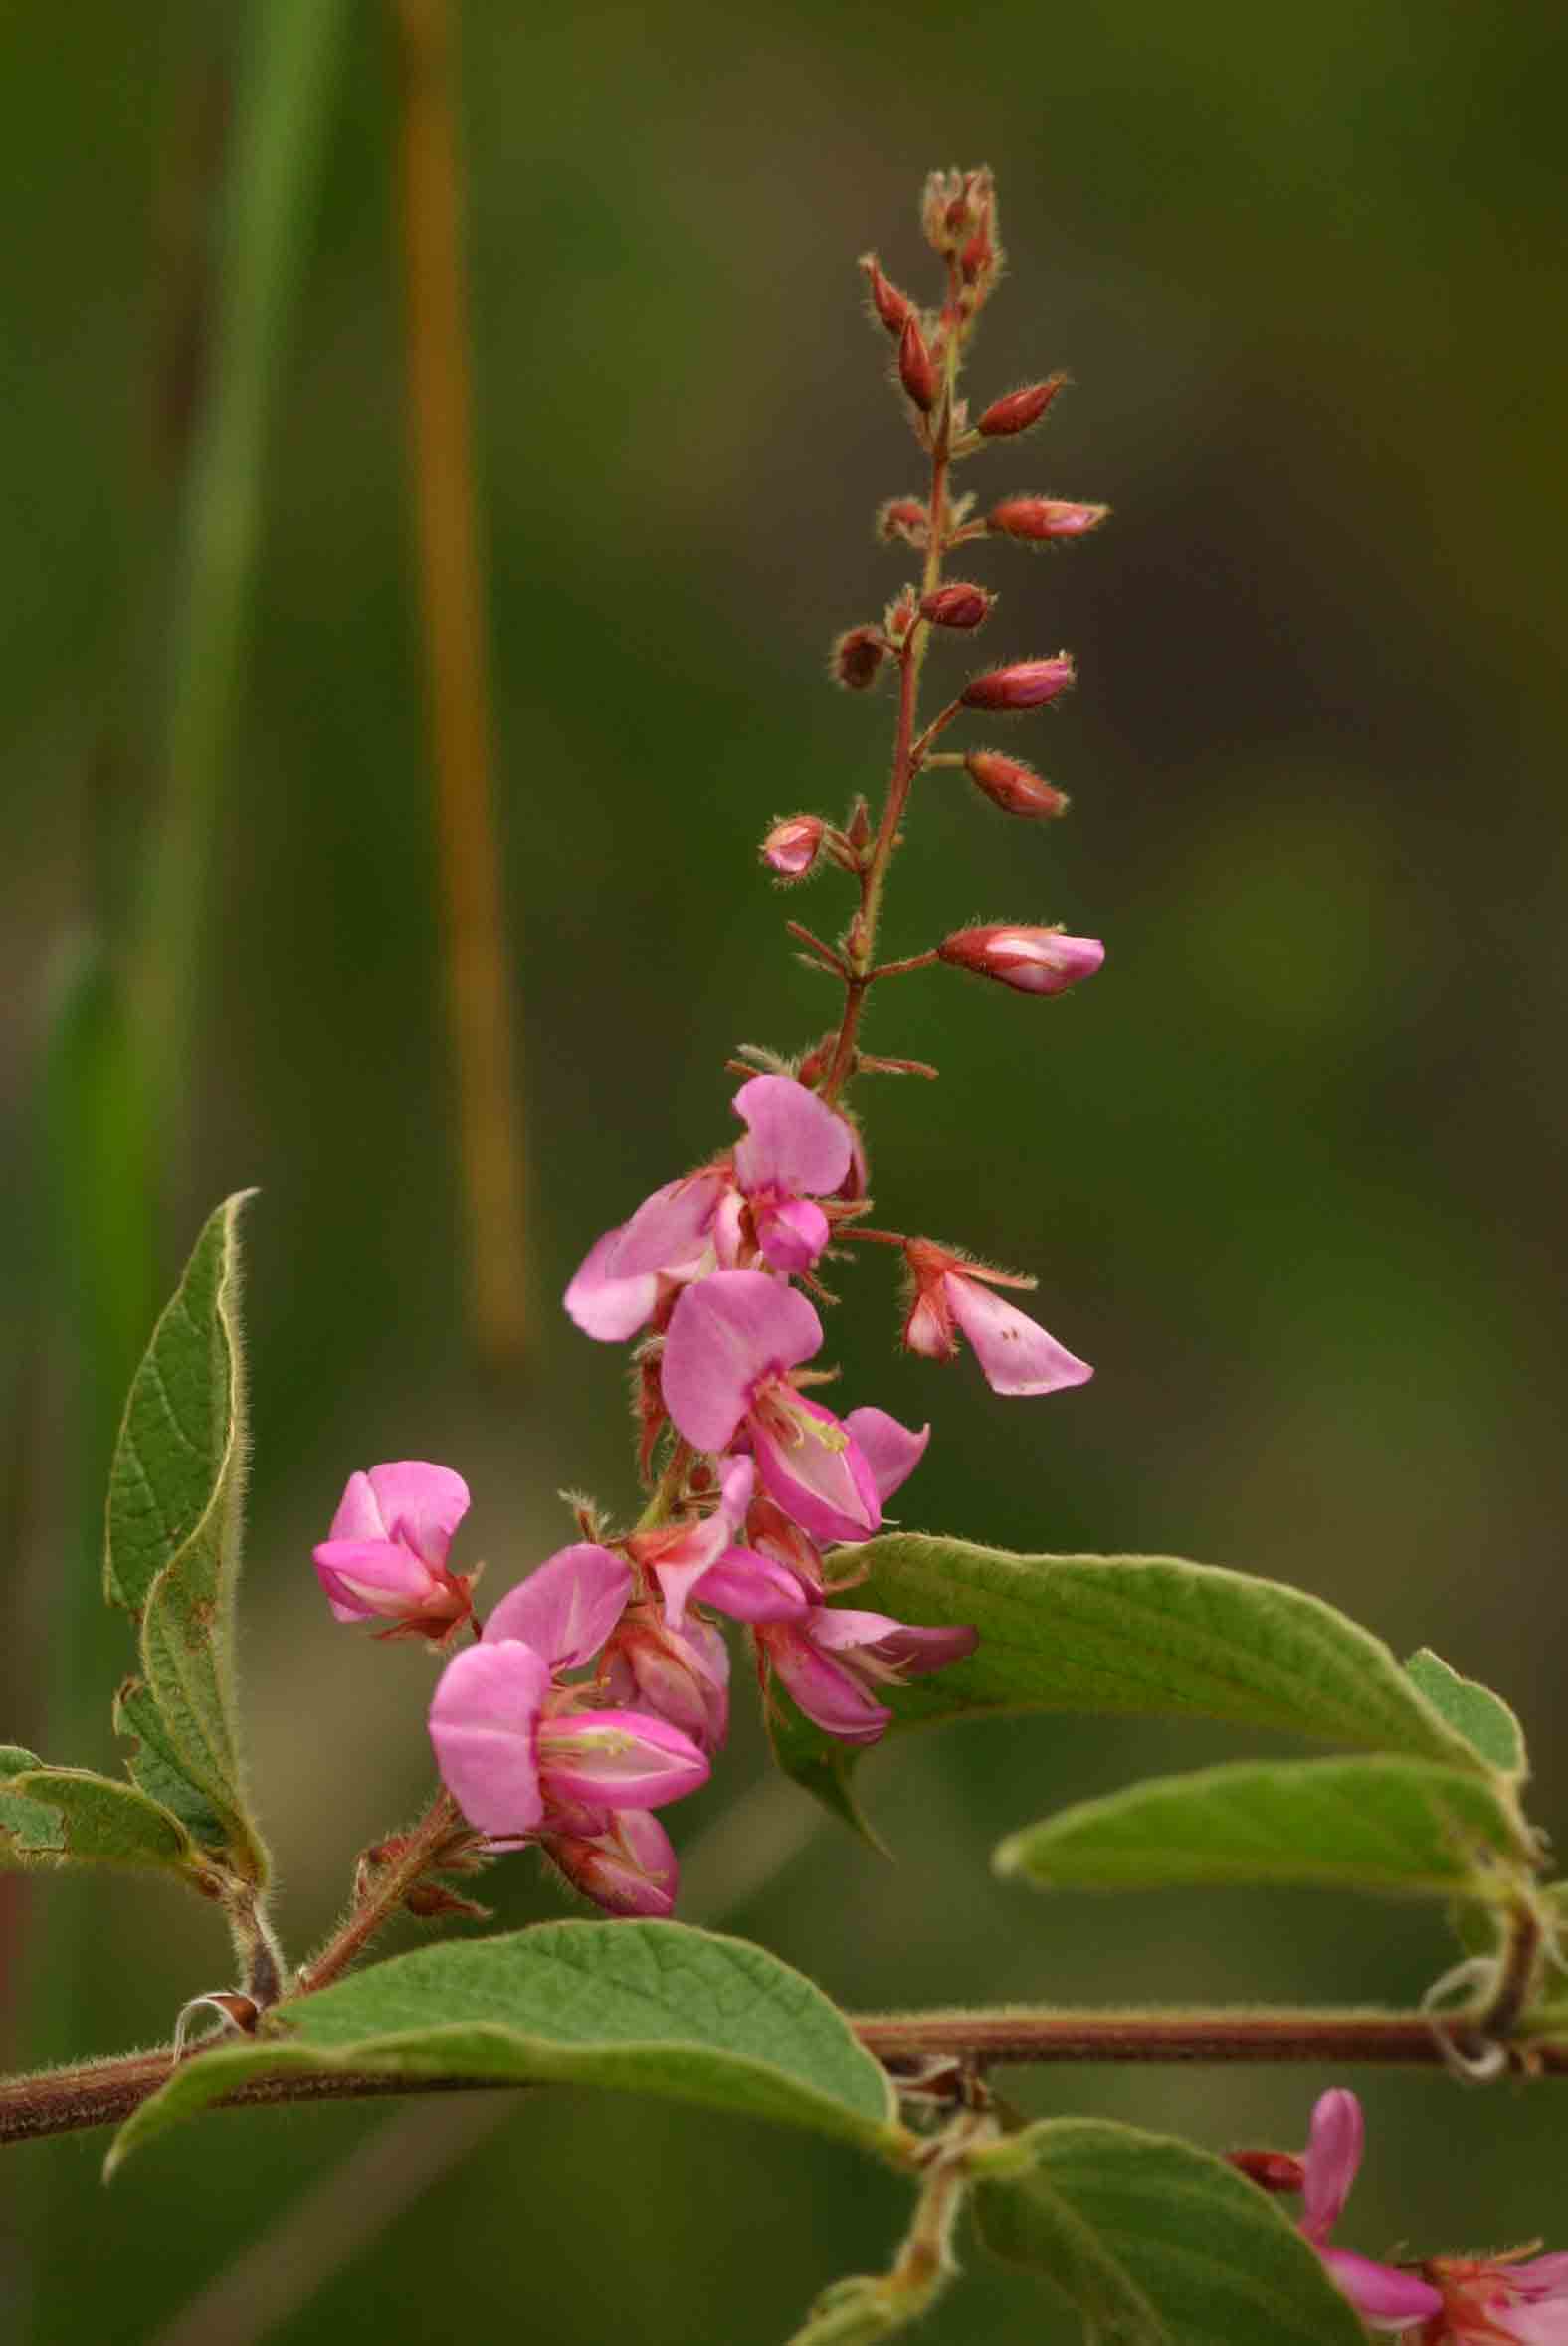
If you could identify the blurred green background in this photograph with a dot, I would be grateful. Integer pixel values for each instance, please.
(1290, 1170)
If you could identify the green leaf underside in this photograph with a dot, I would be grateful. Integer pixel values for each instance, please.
(1157, 2243)
(155, 1766)
(1407, 1826)
(53, 1816)
(1150, 1635)
(653, 2008)
(1471, 1710)
(173, 1544)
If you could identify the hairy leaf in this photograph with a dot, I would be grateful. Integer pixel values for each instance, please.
(57, 1815)
(1123, 1635)
(1157, 2243)
(1471, 1710)
(173, 1542)
(1378, 1823)
(640, 2007)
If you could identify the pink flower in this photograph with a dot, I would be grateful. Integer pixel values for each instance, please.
(1508, 2301)
(790, 847)
(1029, 960)
(1015, 1353)
(831, 1657)
(511, 1741)
(680, 1675)
(386, 1556)
(795, 1150)
(732, 1341)
(616, 1290)
(1386, 2296)
(626, 1865)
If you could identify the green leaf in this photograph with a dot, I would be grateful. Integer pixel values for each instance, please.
(1157, 2243)
(54, 1815)
(1125, 1635)
(173, 1548)
(1471, 1710)
(640, 2007)
(156, 1765)
(1404, 1826)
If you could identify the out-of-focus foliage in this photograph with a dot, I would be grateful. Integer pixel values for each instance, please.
(1289, 1169)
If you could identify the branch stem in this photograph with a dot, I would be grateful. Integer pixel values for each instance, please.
(386, 1894)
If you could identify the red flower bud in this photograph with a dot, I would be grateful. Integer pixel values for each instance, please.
(891, 306)
(1269, 2170)
(856, 656)
(956, 605)
(790, 847)
(915, 371)
(978, 258)
(1016, 789)
(905, 517)
(1024, 686)
(1037, 518)
(1019, 409)
(1029, 960)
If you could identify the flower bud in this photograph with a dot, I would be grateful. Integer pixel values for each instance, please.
(856, 656)
(1037, 518)
(1271, 2170)
(790, 847)
(905, 517)
(1029, 960)
(957, 605)
(1025, 685)
(915, 371)
(1019, 409)
(891, 306)
(1016, 789)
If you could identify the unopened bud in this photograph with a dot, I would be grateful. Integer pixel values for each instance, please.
(1277, 2171)
(1036, 518)
(790, 847)
(956, 605)
(905, 517)
(1016, 789)
(856, 656)
(978, 258)
(1029, 960)
(891, 306)
(900, 616)
(1019, 409)
(915, 370)
(1025, 685)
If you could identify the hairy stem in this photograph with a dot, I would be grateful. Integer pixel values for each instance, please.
(386, 1894)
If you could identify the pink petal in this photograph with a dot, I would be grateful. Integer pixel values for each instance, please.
(725, 1332)
(928, 1331)
(792, 1233)
(484, 1721)
(362, 1577)
(408, 1501)
(900, 1646)
(679, 1675)
(1542, 2323)
(816, 1471)
(1015, 1353)
(889, 1450)
(630, 1869)
(607, 1307)
(749, 1587)
(1541, 2276)
(567, 1608)
(670, 1228)
(1333, 2155)
(793, 1141)
(1384, 2296)
(617, 1758)
(827, 1694)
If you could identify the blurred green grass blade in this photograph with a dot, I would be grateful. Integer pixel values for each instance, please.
(282, 95)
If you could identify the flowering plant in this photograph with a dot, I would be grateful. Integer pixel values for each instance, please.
(594, 1694)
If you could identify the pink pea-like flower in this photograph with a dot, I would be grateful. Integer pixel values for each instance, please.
(680, 1675)
(831, 1658)
(1029, 960)
(732, 1341)
(952, 1297)
(1025, 685)
(795, 1151)
(386, 1556)
(626, 1865)
(1036, 519)
(1507, 2300)
(617, 1289)
(511, 1742)
(790, 847)
(1386, 2296)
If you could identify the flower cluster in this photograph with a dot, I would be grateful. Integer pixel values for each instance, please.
(597, 1691)
(1513, 2300)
